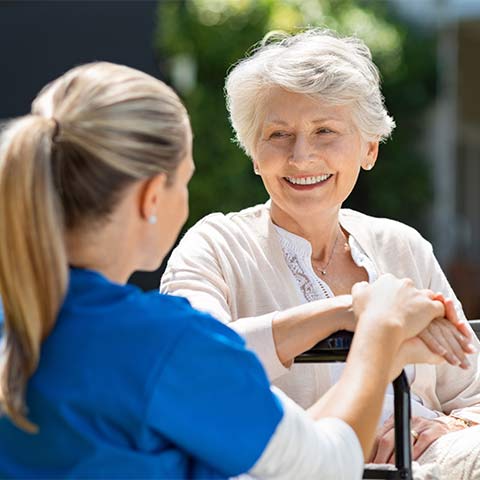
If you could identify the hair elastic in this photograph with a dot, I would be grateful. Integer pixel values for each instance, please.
(56, 130)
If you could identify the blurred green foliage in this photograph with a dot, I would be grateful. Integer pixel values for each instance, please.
(199, 40)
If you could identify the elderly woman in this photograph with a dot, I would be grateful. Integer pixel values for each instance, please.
(309, 112)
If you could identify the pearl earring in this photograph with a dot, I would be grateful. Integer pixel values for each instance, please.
(152, 219)
(255, 170)
(368, 166)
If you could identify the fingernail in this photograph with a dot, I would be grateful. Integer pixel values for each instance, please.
(472, 348)
(452, 360)
(466, 363)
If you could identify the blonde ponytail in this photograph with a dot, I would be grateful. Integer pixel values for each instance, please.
(33, 261)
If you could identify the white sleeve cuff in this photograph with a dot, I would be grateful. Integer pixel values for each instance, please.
(257, 331)
(303, 449)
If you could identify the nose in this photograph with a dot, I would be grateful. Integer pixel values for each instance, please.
(302, 151)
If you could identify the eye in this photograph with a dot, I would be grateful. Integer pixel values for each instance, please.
(279, 134)
(323, 131)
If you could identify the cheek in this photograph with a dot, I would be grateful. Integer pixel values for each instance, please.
(268, 156)
(343, 157)
(182, 206)
(175, 210)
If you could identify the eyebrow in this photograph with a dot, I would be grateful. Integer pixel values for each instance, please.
(316, 121)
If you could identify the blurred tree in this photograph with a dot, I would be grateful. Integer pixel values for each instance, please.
(200, 39)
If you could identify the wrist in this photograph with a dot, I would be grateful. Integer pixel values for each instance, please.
(343, 313)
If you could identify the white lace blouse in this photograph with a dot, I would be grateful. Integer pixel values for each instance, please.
(298, 253)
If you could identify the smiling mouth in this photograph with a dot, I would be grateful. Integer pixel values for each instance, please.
(310, 181)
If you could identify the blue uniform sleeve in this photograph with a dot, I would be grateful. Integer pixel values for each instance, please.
(212, 398)
(1, 318)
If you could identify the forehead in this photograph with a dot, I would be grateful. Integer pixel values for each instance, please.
(282, 106)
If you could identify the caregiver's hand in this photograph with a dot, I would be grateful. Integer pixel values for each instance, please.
(397, 303)
(413, 351)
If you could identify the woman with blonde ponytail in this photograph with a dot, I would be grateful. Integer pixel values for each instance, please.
(101, 380)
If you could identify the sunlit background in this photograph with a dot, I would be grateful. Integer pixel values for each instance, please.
(428, 174)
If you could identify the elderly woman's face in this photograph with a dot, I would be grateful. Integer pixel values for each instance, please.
(309, 154)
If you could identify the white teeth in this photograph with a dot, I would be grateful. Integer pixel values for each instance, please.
(308, 180)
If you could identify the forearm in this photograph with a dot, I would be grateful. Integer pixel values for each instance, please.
(358, 397)
(303, 449)
(297, 329)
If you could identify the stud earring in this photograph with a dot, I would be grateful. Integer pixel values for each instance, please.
(152, 219)
(255, 170)
(368, 166)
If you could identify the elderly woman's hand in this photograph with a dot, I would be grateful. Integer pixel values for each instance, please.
(449, 336)
(426, 432)
(443, 338)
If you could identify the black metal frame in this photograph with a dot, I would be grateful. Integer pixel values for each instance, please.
(335, 349)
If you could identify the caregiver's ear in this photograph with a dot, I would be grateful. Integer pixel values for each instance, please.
(152, 195)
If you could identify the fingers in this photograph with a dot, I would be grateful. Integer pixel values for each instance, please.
(442, 338)
(373, 452)
(438, 309)
(421, 444)
(454, 340)
(386, 447)
(450, 311)
(435, 346)
(452, 316)
(441, 332)
(461, 333)
(428, 431)
(466, 331)
(388, 425)
(463, 340)
(393, 301)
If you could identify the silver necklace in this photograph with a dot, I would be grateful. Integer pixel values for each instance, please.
(323, 270)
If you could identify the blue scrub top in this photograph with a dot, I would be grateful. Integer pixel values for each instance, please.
(135, 385)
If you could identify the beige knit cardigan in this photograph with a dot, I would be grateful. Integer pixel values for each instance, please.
(233, 267)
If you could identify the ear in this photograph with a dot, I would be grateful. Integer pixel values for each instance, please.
(152, 195)
(371, 155)
(255, 168)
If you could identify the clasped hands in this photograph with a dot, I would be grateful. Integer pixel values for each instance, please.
(445, 337)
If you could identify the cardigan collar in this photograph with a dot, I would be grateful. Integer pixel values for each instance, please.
(354, 223)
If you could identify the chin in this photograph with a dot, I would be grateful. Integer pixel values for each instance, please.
(310, 208)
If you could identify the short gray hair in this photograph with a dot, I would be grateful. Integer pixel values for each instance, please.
(316, 62)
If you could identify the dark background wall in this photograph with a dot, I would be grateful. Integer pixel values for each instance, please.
(40, 40)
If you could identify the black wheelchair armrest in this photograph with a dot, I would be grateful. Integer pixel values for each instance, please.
(335, 348)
